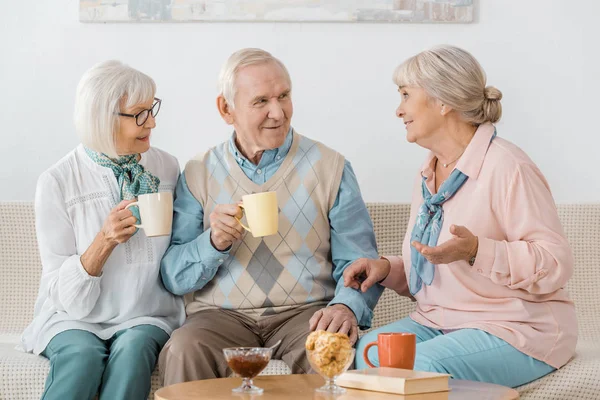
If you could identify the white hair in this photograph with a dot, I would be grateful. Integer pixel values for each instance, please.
(238, 60)
(101, 92)
(453, 76)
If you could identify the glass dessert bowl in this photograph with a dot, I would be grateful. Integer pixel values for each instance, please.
(247, 362)
(330, 355)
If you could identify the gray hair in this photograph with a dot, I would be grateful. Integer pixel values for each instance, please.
(238, 60)
(100, 93)
(453, 76)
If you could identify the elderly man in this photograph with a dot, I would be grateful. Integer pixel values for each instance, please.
(247, 291)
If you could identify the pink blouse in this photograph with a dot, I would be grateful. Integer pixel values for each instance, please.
(515, 289)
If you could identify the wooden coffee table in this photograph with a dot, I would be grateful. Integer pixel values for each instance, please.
(301, 387)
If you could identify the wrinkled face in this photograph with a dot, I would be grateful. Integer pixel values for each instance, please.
(131, 138)
(263, 106)
(421, 114)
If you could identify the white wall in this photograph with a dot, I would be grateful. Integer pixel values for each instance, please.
(542, 54)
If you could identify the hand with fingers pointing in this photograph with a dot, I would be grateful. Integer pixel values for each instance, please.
(463, 246)
(364, 273)
(335, 318)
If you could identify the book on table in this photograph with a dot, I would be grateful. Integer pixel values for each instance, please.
(394, 380)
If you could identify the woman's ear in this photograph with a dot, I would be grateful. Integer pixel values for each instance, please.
(445, 109)
(224, 110)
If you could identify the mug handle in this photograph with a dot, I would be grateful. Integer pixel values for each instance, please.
(365, 353)
(135, 203)
(238, 219)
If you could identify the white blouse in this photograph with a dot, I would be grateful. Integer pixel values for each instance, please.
(72, 200)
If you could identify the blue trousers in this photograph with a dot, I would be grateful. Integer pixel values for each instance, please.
(469, 354)
(82, 365)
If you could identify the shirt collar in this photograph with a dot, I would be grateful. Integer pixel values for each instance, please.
(271, 154)
(471, 161)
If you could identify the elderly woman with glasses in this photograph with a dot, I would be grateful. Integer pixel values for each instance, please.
(485, 256)
(102, 314)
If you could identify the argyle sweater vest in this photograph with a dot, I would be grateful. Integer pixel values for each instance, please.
(264, 276)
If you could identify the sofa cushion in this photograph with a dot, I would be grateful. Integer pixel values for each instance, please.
(579, 379)
(20, 266)
(22, 375)
(276, 367)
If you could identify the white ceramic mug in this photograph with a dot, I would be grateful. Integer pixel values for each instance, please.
(262, 213)
(156, 213)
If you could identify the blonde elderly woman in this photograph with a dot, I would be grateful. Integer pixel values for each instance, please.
(102, 314)
(485, 256)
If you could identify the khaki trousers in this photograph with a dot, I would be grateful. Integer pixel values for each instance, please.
(195, 350)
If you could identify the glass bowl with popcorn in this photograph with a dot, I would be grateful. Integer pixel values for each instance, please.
(330, 355)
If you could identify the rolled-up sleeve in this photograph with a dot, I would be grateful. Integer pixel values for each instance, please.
(70, 288)
(535, 256)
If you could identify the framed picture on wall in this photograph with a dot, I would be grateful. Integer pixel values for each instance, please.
(390, 11)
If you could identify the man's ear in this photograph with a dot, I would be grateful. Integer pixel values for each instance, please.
(224, 110)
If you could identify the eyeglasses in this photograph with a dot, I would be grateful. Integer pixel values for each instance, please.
(142, 116)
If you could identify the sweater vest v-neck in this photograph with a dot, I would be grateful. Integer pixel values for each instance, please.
(264, 276)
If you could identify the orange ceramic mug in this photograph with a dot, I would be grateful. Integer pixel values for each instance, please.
(395, 350)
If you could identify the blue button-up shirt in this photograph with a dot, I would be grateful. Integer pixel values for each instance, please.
(191, 261)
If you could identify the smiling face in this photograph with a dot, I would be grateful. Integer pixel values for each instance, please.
(263, 107)
(423, 116)
(131, 138)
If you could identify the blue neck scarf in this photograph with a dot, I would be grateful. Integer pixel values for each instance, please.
(428, 225)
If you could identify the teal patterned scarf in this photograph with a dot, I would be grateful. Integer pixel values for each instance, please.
(132, 179)
(428, 225)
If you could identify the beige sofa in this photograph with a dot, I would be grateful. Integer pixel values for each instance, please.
(22, 376)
